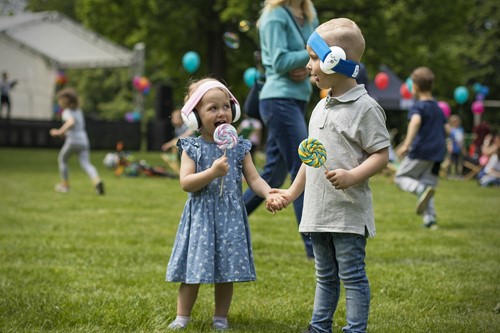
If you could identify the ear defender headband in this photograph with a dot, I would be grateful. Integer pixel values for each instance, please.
(333, 59)
(190, 115)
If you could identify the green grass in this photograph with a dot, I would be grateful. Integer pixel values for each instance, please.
(83, 263)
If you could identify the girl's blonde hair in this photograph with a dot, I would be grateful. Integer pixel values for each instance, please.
(70, 98)
(306, 6)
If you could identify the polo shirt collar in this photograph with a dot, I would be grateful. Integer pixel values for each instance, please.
(349, 96)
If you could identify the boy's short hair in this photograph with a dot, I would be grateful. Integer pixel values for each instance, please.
(346, 34)
(423, 77)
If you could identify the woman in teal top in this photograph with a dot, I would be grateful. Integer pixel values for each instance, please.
(284, 26)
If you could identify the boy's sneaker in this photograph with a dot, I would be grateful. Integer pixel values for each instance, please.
(99, 188)
(61, 188)
(424, 198)
(432, 225)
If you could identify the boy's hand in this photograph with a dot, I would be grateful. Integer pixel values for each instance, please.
(340, 178)
(220, 166)
(402, 150)
(274, 203)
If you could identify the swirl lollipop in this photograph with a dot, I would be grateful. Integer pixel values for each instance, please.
(225, 136)
(313, 153)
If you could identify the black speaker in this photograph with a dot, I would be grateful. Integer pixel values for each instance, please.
(164, 103)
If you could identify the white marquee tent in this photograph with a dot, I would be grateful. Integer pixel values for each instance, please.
(34, 46)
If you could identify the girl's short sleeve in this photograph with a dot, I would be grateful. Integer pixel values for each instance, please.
(189, 145)
(244, 146)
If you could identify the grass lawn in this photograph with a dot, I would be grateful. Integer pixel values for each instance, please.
(81, 263)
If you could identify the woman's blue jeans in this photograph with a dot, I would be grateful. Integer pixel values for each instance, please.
(340, 257)
(284, 119)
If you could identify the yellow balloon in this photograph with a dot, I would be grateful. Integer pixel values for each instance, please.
(323, 93)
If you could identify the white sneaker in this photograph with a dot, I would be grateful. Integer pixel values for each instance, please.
(423, 199)
(220, 325)
(61, 188)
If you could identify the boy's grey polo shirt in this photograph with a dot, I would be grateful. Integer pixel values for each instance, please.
(351, 127)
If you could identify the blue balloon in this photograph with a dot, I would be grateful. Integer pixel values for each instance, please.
(250, 76)
(409, 84)
(191, 62)
(477, 87)
(461, 94)
(485, 90)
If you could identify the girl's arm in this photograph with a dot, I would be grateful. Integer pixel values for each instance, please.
(192, 181)
(66, 126)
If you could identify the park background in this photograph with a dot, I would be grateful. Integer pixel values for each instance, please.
(83, 263)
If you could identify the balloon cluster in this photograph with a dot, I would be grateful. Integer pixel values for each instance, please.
(133, 117)
(61, 78)
(481, 91)
(141, 84)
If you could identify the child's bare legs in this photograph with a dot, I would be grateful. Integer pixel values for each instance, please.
(185, 302)
(223, 297)
(186, 298)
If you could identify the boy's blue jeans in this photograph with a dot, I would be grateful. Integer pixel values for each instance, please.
(286, 128)
(340, 257)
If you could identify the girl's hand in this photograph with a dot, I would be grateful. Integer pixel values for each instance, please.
(340, 178)
(284, 196)
(54, 132)
(220, 166)
(274, 203)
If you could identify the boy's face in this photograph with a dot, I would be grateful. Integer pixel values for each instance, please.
(322, 80)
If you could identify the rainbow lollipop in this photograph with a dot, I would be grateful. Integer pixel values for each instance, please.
(225, 136)
(313, 153)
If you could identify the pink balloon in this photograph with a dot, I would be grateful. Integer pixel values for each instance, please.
(477, 107)
(382, 80)
(445, 108)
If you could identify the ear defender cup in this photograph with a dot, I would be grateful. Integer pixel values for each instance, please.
(192, 120)
(235, 111)
(332, 58)
(189, 114)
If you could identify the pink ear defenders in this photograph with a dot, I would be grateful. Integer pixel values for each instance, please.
(333, 58)
(188, 112)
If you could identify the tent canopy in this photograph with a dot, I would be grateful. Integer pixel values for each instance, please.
(64, 42)
(389, 98)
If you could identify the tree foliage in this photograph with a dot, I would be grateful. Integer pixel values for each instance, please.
(458, 39)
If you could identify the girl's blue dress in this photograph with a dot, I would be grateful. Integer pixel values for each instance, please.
(213, 242)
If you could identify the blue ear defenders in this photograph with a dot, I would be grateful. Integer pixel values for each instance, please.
(332, 59)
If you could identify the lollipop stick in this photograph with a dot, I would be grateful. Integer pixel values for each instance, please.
(347, 195)
(222, 180)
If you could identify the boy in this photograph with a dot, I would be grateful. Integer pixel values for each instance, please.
(351, 125)
(425, 144)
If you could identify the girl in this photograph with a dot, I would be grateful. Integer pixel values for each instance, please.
(76, 141)
(213, 244)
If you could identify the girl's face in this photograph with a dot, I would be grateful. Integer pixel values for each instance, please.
(62, 102)
(322, 80)
(213, 109)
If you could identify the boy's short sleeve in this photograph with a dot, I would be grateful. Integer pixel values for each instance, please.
(374, 134)
(190, 145)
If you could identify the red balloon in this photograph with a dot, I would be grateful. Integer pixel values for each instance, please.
(405, 93)
(382, 80)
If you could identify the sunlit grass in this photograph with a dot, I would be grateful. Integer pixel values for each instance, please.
(84, 263)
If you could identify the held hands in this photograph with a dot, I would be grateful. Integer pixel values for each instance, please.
(277, 200)
(340, 178)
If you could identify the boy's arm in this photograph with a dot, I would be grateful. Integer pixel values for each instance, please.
(343, 179)
(413, 127)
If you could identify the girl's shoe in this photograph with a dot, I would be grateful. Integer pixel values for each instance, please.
(176, 326)
(61, 188)
(220, 325)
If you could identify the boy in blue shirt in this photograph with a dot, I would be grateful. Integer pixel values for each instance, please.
(424, 147)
